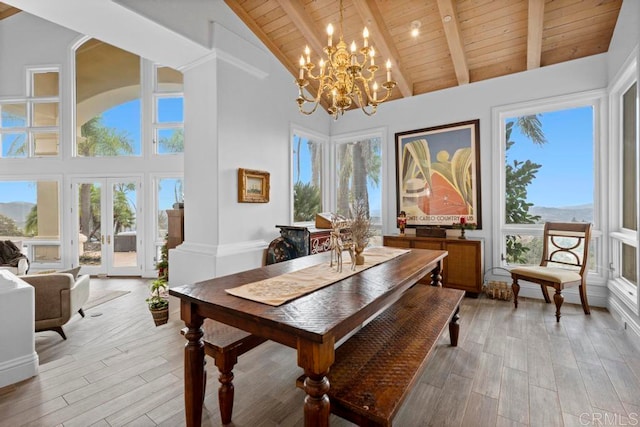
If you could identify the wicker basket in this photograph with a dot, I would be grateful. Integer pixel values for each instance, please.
(160, 317)
(498, 290)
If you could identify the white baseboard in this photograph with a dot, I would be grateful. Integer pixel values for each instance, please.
(618, 311)
(18, 369)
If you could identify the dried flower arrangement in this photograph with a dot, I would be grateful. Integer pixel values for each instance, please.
(360, 228)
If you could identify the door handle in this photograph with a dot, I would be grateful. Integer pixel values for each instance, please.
(102, 239)
(109, 239)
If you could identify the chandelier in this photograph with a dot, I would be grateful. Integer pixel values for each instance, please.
(345, 77)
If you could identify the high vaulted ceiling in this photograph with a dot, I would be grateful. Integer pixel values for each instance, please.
(459, 41)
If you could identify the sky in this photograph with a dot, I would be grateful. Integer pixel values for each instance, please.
(566, 176)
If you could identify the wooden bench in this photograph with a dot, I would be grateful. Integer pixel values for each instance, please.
(376, 368)
(225, 344)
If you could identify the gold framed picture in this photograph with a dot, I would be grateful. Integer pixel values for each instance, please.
(253, 186)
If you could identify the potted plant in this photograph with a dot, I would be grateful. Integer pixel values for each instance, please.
(158, 304)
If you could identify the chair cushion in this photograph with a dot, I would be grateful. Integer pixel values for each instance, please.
(551, 274)
(73, 271)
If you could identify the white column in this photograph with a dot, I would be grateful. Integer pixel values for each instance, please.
(18, 357)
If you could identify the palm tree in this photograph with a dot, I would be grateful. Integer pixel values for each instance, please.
(518, 175)
(97, 140)
(174, 143)
(360, 163)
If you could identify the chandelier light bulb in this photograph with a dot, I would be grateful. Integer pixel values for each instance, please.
(365, 35)
(307, 52)
(330, 34)
(372, 53)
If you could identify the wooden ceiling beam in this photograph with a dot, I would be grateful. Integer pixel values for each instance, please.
(534, 33)
(454, 39)
(383, 43)
(255, 28)
(9, 12)
(304, 23)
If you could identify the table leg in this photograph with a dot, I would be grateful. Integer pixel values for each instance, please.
(316, 358)
(454, 328)
(436, 278)
(194, 373)
(316, 403)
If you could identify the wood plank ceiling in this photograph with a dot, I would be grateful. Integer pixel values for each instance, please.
(459, 41)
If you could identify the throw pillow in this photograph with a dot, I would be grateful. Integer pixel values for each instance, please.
(73, 271)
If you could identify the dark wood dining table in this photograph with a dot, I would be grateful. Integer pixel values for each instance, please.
(312, 324)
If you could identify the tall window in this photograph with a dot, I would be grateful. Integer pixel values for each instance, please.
(548, 175)
(108, 109)
(168, 121)
(307, 164)
(29, 127)
(358, 177)
(625, 236)
(30, 212)
(170, 191)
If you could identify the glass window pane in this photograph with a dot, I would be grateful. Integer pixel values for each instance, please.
(169, 80)
(169, 110)
(13, 115)
(14, 144)
(549, 170)
(30, 209)
(107, 100)
(46, 253)
(629, 149)
(170, 191)
(629, 264)
(523, 249)
(45, 114)
(45, 84)
(170, 140)
(45, 143)
(358, 168)
(307, 178)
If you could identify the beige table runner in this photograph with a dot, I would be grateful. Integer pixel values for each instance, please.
(280, 289)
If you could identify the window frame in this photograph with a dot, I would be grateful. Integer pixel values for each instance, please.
(31, 242)
(157, 126)
(346, 138)
(325, 183)
(626, 291)
(596, 99)
(30, 101)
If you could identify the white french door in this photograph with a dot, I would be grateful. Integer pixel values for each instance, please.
(106, 218)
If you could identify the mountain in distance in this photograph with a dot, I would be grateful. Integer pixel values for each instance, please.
(578, 213)
(17, 211)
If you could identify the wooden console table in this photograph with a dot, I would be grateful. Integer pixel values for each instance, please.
(311, 324)
(463, 268)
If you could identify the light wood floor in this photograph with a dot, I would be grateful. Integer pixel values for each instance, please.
(511, 368)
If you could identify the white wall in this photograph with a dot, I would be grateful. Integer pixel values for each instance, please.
(624, 44)
(475, 101)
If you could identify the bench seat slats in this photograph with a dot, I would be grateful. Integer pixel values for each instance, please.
(375, 369)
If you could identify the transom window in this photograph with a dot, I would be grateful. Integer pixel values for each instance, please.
(30, 126)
